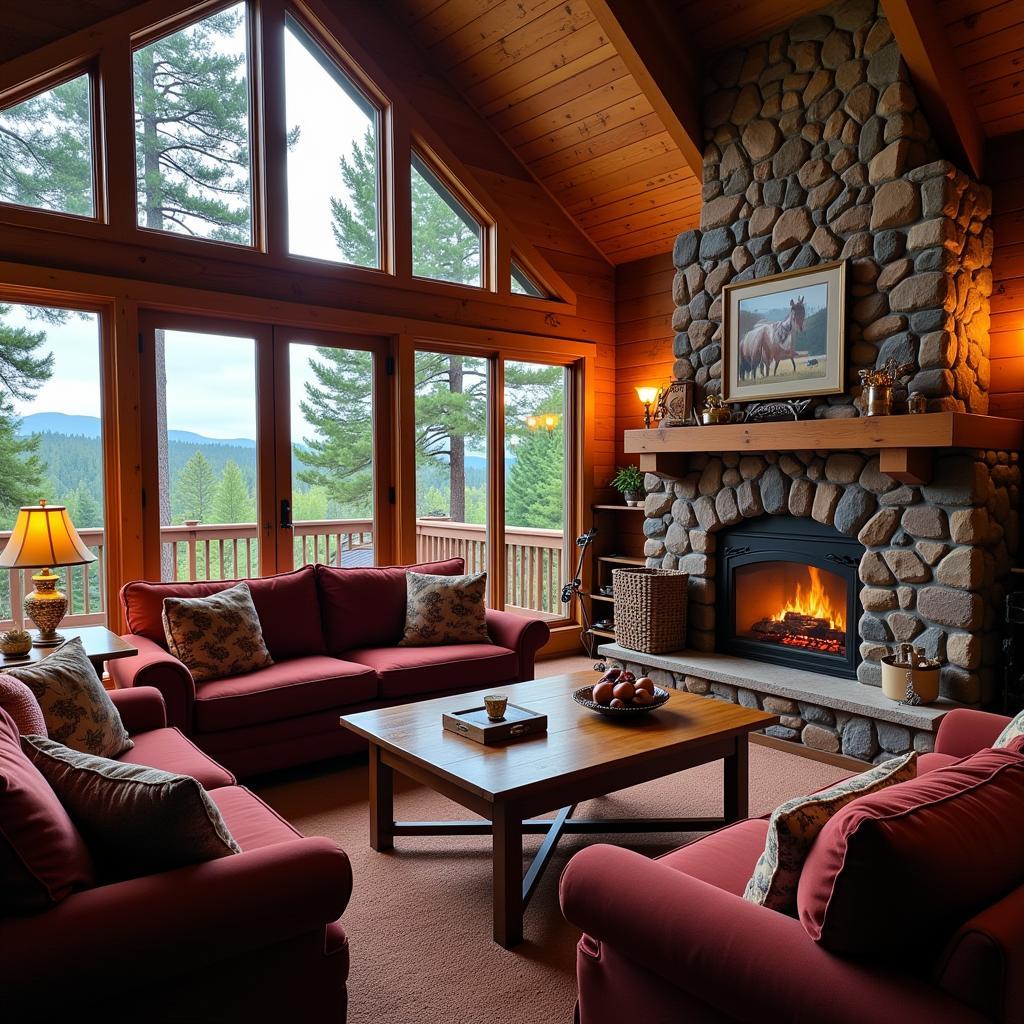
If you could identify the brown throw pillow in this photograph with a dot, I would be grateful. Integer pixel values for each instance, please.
(216, 636)
(77, 709)
(445, 610)
(134, 820)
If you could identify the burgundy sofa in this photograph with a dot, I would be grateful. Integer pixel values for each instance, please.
(254, 936)
(671, 940)
(333, 635)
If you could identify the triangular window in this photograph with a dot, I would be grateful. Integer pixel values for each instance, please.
(523, 284)
(447, 240)
(333, 157)
(46, 150)
(192, 129)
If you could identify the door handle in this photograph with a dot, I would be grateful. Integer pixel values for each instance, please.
(286, 514)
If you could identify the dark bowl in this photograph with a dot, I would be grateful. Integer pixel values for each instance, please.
(583, 697)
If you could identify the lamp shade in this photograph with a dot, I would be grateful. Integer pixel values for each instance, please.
(647, 395)
(44, 536)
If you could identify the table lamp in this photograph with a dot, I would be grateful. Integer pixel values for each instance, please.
(44, 537)
(648, 396)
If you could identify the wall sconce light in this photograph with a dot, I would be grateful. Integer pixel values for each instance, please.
(648, 396)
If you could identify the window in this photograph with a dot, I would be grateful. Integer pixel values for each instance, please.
(192, 130)
(333, 158)
(447, 240)
(523, 284)
(51, 443)
(46, 150)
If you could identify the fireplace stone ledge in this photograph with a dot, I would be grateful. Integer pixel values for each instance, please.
(844, 695)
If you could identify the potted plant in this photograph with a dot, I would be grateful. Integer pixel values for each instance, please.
(629, 481)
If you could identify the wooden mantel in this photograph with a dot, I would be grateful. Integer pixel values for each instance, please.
(905, 443)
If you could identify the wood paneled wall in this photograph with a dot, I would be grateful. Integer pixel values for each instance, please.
(643, 336)
(1005, 160)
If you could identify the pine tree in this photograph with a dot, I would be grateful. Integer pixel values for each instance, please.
(85, 511)
(535, 487)
(194, 490)
(232, 502)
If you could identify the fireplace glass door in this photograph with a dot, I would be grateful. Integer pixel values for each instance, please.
(789, 593)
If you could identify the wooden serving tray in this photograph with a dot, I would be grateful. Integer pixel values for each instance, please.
(474, 724)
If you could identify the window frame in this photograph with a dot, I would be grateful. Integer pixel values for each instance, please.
(152, 33)
(419, 150)
(20, 213)
(532, 288)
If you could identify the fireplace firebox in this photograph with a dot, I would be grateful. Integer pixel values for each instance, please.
(789, 593)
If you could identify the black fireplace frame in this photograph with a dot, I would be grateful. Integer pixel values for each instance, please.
(786, 539)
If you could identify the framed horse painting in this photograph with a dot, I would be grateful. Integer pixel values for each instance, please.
(784, 335)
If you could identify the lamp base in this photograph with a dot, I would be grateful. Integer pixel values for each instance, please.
(46, 606)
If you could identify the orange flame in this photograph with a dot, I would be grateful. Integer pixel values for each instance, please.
(815, 601)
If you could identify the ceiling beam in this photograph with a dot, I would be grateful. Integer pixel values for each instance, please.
(937, 77)
(647, 36)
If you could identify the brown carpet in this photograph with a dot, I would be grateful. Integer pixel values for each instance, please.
(420, 918)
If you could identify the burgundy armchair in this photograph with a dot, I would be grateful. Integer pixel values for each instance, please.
(672, 940)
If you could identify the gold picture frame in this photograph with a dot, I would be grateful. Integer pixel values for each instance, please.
(764, 322)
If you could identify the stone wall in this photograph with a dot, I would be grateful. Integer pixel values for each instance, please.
(936, 562)
(816, 150)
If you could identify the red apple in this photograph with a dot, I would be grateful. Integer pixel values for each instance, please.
(611, 675)
(642, 698)
(624, 691)
(627, 677)
(603, 692)
(616, 703)
(645, 683)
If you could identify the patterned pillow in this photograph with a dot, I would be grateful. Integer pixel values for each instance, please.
(1014, 729)
(445, 610)
(21, 704)
(216, 636)
(78, 710)
(135, 820)
(795, 824)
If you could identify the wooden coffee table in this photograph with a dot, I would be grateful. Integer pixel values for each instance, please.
(582, 755)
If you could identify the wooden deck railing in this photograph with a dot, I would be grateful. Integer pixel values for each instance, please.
(208, 551)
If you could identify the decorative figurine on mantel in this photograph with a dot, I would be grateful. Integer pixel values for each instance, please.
(880, 383)
(715, 411)
(675, 404)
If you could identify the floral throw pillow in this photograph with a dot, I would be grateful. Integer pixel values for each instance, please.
(216, 636)
(1014, 730)
(445, 610)
(795, 825)
(77, 709)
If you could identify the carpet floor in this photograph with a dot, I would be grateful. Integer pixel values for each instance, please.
(419, 922)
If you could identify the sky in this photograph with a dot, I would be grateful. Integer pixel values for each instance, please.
(814, 299)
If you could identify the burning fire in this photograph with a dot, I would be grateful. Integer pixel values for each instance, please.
(814, 602)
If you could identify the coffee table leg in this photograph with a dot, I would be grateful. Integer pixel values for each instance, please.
(736, 781)
(508, 876)
(382, 805)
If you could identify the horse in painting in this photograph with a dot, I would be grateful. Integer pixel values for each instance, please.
(767, 344)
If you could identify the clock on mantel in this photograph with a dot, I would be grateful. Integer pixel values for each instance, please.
(905, 444)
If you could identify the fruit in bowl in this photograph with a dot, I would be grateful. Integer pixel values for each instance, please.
(621, 691)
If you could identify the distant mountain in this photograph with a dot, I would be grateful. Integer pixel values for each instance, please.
(89, 426)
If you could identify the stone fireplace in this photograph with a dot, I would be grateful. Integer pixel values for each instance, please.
(817, 150)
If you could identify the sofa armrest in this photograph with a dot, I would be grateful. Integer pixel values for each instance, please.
(153, 666)
(963, 732)
(749, 963)
(519, 633)
(141, 708)
(178, 921)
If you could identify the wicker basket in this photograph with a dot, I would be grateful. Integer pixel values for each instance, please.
(650, 609)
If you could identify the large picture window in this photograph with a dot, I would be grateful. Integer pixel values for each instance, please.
(46, 150)
(333, 158)
(192, 130)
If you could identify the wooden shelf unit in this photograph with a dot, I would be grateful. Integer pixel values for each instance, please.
(619, 542)
(905, 443)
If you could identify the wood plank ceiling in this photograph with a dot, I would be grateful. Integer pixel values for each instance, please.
(26, 27)
(549, 81)
(987, 37)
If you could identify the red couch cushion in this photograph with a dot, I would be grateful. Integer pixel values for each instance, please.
(366, 607)
(725, 858)
(407, 671)
(907, 865)
(42, 856)
(929, 762)
(170, 751)
(285, 690)
(287, 604)
(251, 821)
